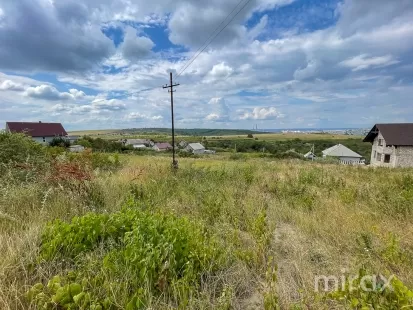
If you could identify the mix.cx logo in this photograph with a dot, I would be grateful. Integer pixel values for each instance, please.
(367, 283)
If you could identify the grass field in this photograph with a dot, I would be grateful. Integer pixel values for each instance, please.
(265, 229)
(113, 134)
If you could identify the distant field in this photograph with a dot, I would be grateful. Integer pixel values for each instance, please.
(94, 132)
(289, 136)
(117, 134)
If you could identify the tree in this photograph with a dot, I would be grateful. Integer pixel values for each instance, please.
(250, 136)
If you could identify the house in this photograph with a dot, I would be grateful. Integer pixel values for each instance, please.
(76, 148)
(40, 132)
(310, 155)
(343, 154)
(392, 145)
(159, 147)
(138, 143)
(195, 148)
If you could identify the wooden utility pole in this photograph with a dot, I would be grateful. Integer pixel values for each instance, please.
(171, 90)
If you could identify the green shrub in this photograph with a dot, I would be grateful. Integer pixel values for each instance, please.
(19, 148)
(145, 255)
(21, 158)
(60, 142)
(378, 297)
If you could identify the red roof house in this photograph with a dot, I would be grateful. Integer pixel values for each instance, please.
(162, 146)
(41, 132)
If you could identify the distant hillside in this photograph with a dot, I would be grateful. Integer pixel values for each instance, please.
(187, 132)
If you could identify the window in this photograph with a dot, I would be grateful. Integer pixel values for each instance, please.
(375, 154)
(380, 142)
(387, 158)
(378, 158)
(44, 139)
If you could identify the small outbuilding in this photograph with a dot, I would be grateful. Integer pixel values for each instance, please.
(195, 148)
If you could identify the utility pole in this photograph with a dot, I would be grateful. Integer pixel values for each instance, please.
(171, 90)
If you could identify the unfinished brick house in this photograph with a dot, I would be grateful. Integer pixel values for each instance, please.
(392, 145)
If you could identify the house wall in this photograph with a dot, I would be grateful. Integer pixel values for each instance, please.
(199, 151)
(400, 156)
(404, 156)
(40, 139)
(349, 160)
(384, 150)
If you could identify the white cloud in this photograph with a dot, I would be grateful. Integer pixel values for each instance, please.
(363, 61)
(263, 113)
(108, 105)
(221, 70)
(135, 48)
(77, 94)
(136, 116)
(259, 28)
(10, 85)
(306, 74)
(212, 117)
(221, 111)
(47, 92)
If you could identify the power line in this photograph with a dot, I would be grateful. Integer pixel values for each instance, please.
(199, 52)
(217, 28)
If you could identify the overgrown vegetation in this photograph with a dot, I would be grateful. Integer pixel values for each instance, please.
(101, 231)
(279, 149)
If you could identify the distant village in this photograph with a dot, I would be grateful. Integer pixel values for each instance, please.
(392, 144)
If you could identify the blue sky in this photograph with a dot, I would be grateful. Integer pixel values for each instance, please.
(99, 64)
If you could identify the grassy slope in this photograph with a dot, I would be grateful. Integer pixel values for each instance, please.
(320, 219)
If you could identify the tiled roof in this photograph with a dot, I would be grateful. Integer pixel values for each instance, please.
(393, 134)
(37, 129)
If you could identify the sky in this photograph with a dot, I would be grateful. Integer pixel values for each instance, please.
(101, 64)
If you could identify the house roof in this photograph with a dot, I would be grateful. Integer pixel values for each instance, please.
(136, 141)
(393, 134)
(340, 150)
(196, 146)
(37, 129)
(163, 146)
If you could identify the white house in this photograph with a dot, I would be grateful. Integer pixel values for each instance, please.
(343, 154)
(392, 145)
(195, 148)
(40, 132)
(139, 143)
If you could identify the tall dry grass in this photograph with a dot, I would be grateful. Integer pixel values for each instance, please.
(313, 219)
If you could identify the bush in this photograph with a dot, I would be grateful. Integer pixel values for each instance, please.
(153, 254)
(19, 148)
(60, 142)
(21, 158)
(355, 297)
